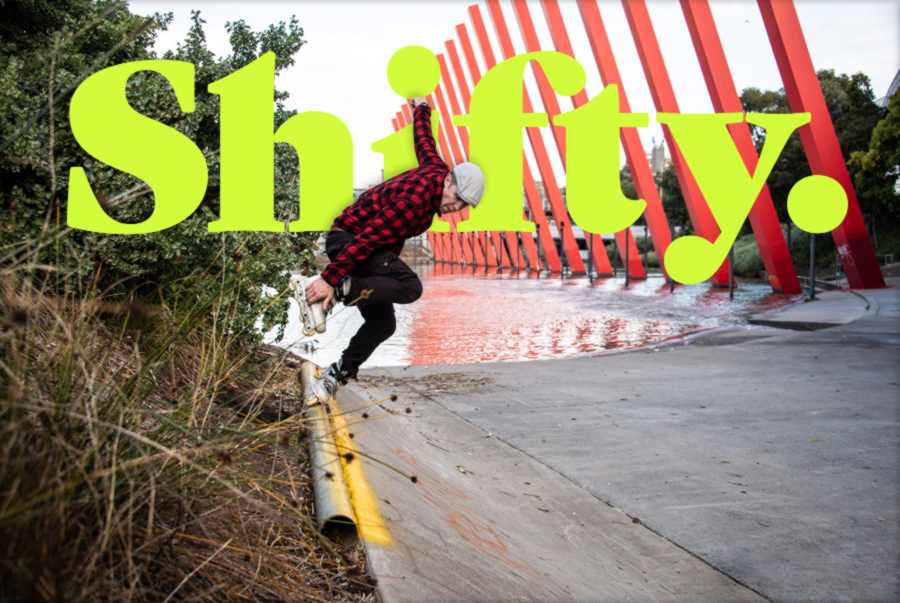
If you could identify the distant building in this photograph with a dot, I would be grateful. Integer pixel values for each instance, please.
(883, 101)
(658, 158)
(542, 191)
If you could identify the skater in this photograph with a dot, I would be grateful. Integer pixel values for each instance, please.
(365, 241)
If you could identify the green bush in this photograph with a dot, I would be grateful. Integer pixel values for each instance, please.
(747, 262)
(41, 64)
(889, 244)
(644, 244)
(825, 251)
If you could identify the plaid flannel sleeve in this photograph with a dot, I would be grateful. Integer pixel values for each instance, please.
(426, 149)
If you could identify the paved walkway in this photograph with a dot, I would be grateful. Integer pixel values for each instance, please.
(757, 462)
(829, 309)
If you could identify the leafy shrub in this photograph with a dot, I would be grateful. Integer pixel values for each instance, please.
(747, 262)
(42, 60)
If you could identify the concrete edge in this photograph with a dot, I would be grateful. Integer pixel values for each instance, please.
(794, 325)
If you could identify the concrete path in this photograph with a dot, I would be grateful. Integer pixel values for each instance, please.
(758, 457)
(485, 522)
(829, 309)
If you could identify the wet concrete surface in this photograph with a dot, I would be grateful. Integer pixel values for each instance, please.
(484, 522)
(771, 455)
(490, 317)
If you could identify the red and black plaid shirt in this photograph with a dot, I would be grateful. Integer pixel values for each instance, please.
(387, 214)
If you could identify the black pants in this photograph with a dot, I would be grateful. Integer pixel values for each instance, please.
(375, 286)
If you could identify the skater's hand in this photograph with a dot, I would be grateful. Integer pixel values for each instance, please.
(319, 290)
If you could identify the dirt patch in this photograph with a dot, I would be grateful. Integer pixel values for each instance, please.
(434, 384)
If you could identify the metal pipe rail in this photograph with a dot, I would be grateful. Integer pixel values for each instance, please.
(334, 511)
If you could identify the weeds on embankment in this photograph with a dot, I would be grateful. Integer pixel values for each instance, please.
(146, 455)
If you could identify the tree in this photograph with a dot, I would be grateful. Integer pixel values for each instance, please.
(876, 170)
(673, 200)
(853, 111)
(45, 52)
(627, 182)
(670, 194)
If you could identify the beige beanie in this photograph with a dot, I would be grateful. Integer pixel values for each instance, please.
(469, 182)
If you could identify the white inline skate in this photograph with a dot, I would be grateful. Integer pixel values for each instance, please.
(313, 315)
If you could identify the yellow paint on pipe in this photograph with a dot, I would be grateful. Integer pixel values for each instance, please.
(333, 507)
(369, 521)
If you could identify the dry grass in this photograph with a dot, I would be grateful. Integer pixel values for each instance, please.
(146, 456)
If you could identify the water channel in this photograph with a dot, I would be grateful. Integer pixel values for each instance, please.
(490, 317)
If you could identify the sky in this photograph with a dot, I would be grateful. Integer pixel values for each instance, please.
(342, 68)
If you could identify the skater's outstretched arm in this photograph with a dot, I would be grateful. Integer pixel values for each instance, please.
(426, 149)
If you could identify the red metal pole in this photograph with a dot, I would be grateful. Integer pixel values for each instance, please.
(450, 151)
(503, 258)
(451, 89)
(664, 98)
(448, 130)
(548, 96)
(819, 139)
(763, 218)
(560, 215)
(654, 214)
(534, 203)
(489, 255)
(460, 239)
(474, 238)
(470, 238)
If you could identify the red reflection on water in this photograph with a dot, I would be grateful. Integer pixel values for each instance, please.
(485, 320)
(480, 315)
